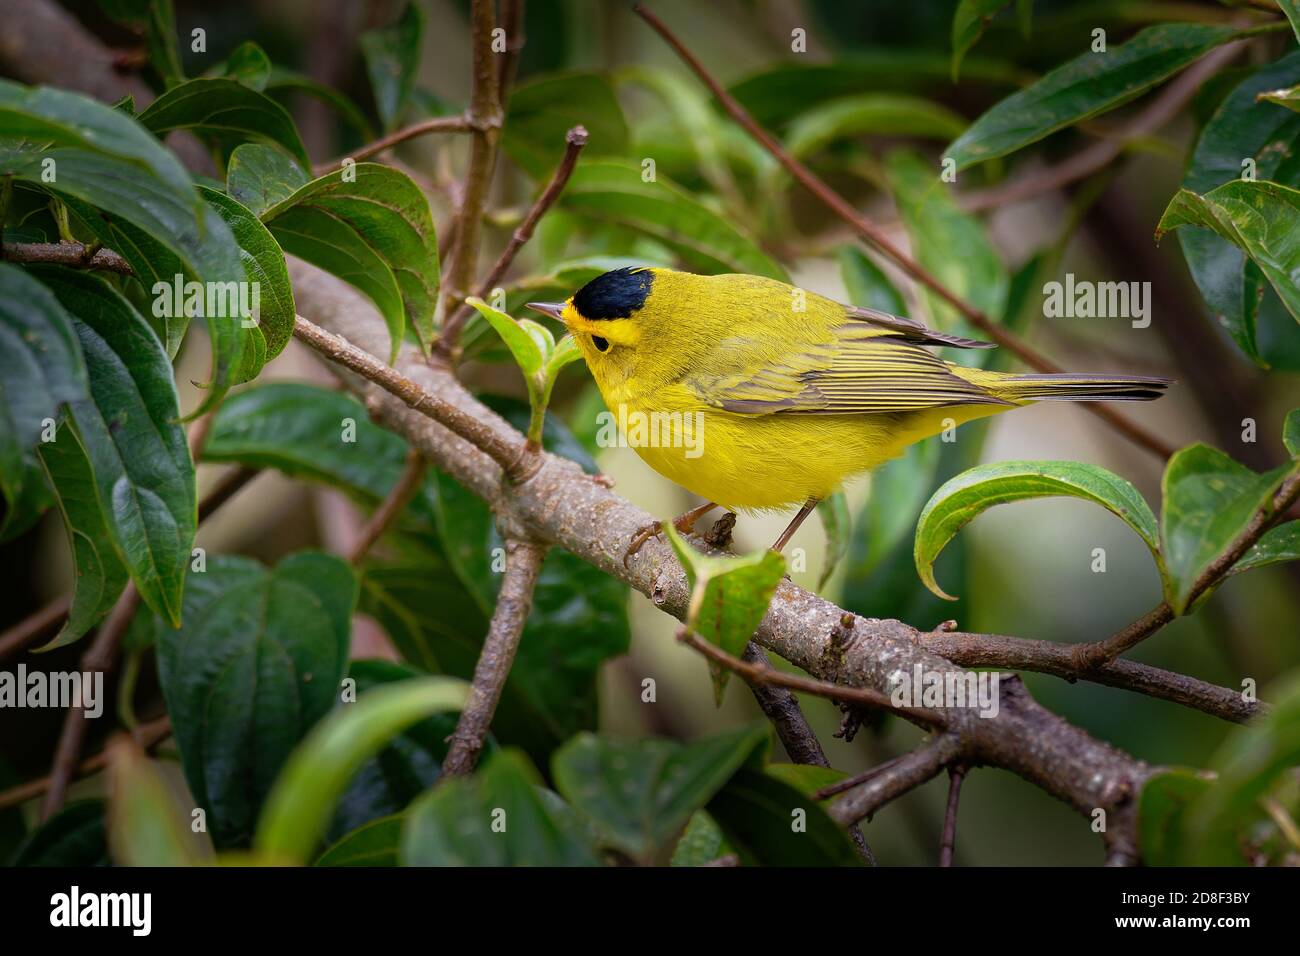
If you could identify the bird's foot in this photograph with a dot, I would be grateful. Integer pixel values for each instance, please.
(684, 523)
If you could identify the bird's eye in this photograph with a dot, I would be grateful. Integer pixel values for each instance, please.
(602, 345)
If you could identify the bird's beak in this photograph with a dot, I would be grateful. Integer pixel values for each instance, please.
(554, 309)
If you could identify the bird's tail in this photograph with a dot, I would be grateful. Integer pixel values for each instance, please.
(1069, 387)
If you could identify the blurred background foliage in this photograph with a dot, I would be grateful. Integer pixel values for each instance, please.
(870, 106)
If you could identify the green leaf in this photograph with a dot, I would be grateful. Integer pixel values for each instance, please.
(371, 226)
(146, 827)
(499, 817)
(157, 20)
(1276, 546)
(1292, 10)
(259, 658)
(75, 836)
(227, 111)
(302, 801)
(284, 80)
(377, 843)
(611, 191)
(1288, 97)
(1162, 813)
(701, 843)
(775, 95)
(260, 176)
(392, 56)
(265, 271)
(871, 114)
(542, 110)
(1261, 218)
(1291, 433)
(100, 574)
(432, 620)
(951, 244)
(136, 448)
(968, 25)
(408, 765)
(866, 284)
(803, 777)
(1087, 86)
(248, 64)
(962, 499)
(41, 372)
(837, 522)
(769, 821)
(641, 793)
(1209, 499)
(729, 596)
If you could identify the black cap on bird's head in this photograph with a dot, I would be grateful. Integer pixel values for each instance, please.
(614, 295)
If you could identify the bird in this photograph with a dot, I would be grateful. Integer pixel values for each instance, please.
(793, 393)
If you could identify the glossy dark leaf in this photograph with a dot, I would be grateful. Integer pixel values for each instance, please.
(260, 176)
(768, 821)
(133, 442)
(392, 56)
(377, 843)
(641, 793)
(1087, 86)
(75, 836)
(370, 225)
(157, 21)
(227, 111)
(259, 658)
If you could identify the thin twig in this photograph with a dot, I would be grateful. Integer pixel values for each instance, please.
(515, 600)
(35, 628)
(509, 455)
(956, 774)
(875, 236)
(574, 140)
(770, 675)
(408, 484)
(148, 735)
(848, 783)
(485, 117)
(71, 254)
(906, 773)
(1057, 659)
(438, 124)
(1089, 656)
(98, 658)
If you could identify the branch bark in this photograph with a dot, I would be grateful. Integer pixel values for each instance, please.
(561, 506)
(906, 773)
(523, 564)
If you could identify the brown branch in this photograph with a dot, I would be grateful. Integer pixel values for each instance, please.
(1088, 656)
(148, 735)
(485, 117)
(574, 140)
(35, 628)
(510, 455)
(72, 254)
(512, 21)
(956, 774)
(98, 658)
(1050, 657)
(869, 232)
(902, 775)
(766, 674)
(407, 486)
(563, 507)
(1157, 114)
(438, 124)
(523, 564)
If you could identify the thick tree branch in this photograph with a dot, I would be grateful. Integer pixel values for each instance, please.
(562, 506)
(574, 140)
(515, 600)
(72, 254)
(869, 232)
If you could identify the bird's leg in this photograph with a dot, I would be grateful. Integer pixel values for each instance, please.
(793, 526)
(684, 523)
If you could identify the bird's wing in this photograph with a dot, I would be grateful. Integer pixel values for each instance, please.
(861, 369)
(911, 330)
